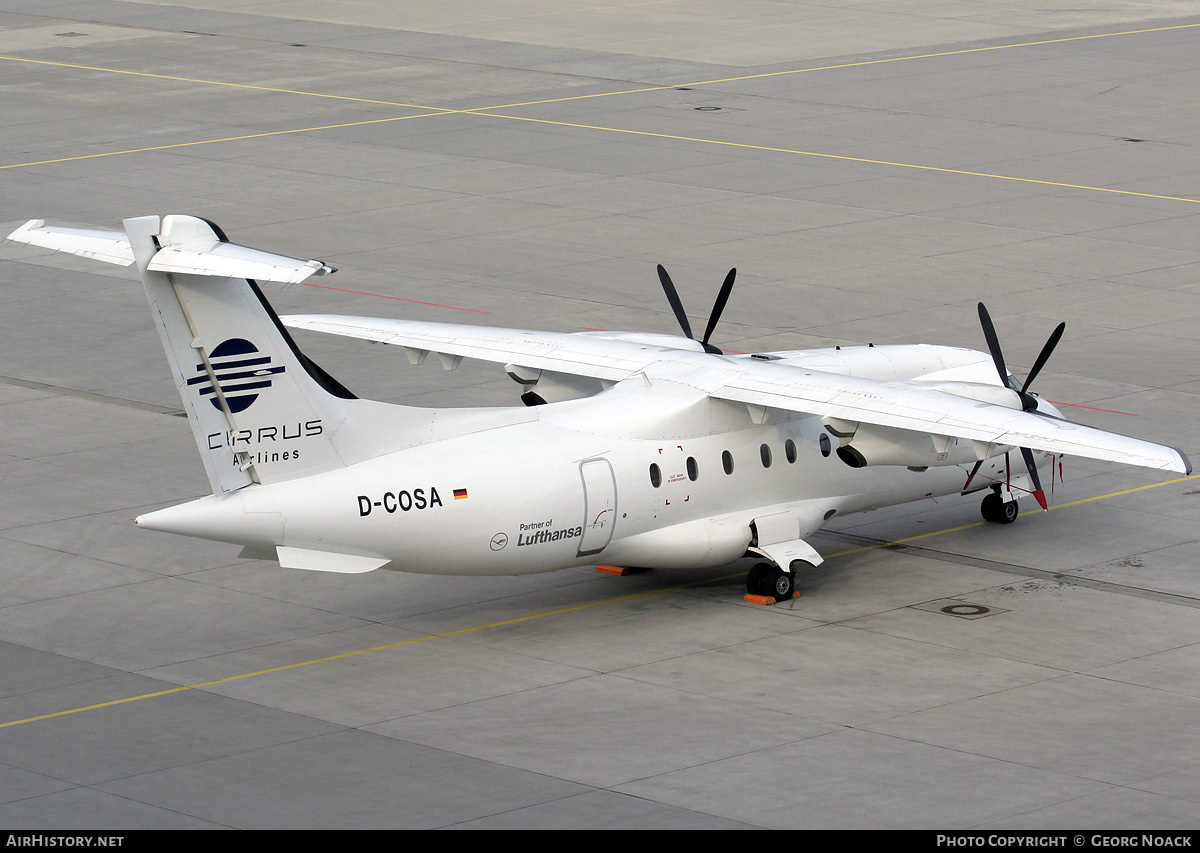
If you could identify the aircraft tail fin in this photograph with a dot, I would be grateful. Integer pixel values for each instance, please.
(260, 410)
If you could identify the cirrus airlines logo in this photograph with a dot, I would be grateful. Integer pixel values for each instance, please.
(241, 372)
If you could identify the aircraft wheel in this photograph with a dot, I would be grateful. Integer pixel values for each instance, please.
(780, 584)
(756, 579)
(988, 509)
(997, 510)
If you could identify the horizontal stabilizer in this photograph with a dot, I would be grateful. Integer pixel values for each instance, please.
(327, 561)
(112, 247)
(187, 253)
(227, 260)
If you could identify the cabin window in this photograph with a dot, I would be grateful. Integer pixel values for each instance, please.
(765, 452)
(692, 469)
(825, 448)
(789, 450)
(727, 461)
(655, 475)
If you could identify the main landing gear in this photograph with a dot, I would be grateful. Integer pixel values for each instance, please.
(997, 510)
(770, 581)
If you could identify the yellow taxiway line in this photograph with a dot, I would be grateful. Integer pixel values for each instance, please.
(845, 157)
(491, 112)
(427, 111)
(719, 80)
(212, 141)
(1027, 512)
(863, 63)
(201, 81)
(531, 617)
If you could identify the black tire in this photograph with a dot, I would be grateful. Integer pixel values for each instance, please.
(990, 508)
(997, 510)
(756, 579)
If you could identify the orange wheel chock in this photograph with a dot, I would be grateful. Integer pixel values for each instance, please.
(620, 571)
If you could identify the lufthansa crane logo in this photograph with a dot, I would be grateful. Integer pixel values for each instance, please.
(242, 374)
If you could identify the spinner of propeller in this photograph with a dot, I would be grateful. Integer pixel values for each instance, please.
(1029, 402)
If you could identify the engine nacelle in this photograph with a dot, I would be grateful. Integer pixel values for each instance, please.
(868, 444)
(548, 386)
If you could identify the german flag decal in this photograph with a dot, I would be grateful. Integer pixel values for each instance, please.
(460, 494)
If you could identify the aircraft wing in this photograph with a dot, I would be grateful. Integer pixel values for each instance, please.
(902, 405)
(579, 355)
(907, 406)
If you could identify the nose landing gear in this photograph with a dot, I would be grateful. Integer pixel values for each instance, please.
(765, 580)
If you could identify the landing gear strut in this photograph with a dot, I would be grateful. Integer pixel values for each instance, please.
(770, 581)
(997, 510)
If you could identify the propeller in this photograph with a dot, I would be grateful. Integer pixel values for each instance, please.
(1028, 401)
(718, 307)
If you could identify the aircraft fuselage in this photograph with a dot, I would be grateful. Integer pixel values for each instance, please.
(567, 488)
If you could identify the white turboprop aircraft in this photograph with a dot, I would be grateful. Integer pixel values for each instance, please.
(651, 451)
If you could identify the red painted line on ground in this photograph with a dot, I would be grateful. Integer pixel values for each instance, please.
(397, 298)
(1093, 408)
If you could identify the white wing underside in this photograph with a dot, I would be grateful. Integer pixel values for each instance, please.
(768, 384)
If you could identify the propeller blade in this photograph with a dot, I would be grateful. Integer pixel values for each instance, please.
(673, 298)
(989, 334)
(1040, 495)
(718, 307)
(1044, 356)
